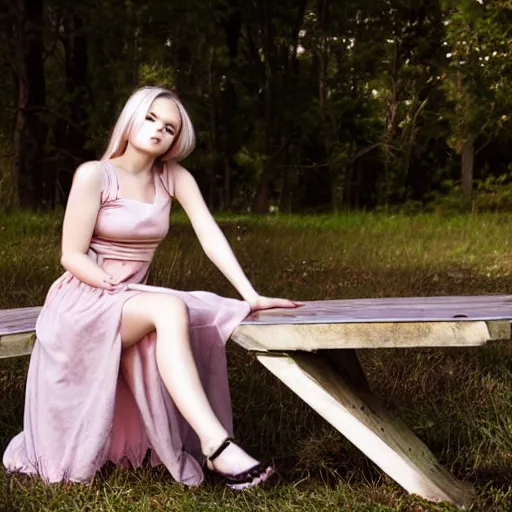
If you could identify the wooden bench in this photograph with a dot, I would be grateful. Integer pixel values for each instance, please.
(313, 351)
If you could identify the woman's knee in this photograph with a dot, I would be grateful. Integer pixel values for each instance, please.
(147, 312)
(169, 308)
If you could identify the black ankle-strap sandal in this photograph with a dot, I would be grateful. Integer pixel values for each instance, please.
(250, 478)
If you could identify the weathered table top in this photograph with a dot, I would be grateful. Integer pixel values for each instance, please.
(404, 322)
(351, 323)
(395, 309)
(381, 310)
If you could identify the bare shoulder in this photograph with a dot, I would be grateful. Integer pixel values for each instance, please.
(175, 169)
(90, 175)
(177, 174)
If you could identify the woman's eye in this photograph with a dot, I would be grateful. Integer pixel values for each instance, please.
(149, 118)
(170, 130)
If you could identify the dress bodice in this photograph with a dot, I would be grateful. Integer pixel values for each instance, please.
(128, 229)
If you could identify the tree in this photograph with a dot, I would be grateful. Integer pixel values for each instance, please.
(478, 42)
(29, 131)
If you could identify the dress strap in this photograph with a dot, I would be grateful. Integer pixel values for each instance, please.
(111, 189)
(167, 179)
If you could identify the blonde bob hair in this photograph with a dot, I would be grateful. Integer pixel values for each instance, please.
(132, 116)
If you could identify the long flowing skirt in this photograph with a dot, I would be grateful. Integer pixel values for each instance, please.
(88, 401)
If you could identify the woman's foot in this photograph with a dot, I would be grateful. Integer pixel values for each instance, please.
(239, 469)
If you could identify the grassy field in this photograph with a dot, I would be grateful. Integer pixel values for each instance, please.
(458, 401)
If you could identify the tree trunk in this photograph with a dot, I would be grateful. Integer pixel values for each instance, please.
(29, 130)
(467, 166)
(71, 132)
(261, 198)
(328, 127)
(285, 203)
(229, 143)
(213, 133)
(322, 6)
(227, 185)
(388, 185)
(285, 195)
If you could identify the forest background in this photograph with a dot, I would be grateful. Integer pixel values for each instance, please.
(299, 106)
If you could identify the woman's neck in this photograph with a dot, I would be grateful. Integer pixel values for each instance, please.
(134, 161)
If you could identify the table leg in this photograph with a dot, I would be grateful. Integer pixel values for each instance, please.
(333, 383)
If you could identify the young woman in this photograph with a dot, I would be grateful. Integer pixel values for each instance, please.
(119, 367)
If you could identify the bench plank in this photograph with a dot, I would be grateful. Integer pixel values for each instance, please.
(353, 323)
(362, 419)
(383, 310)
(331, 336)
(14, 321)
(391, 309)
(15, 345)
(310, 337)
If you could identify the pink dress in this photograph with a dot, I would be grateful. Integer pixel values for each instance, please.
(87, 401)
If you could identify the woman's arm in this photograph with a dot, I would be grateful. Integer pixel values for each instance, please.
(79, 220)
(214, 242)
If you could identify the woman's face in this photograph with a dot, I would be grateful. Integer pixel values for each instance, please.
(159, 129)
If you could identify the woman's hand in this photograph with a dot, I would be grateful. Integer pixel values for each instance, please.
(110, 283)
(259, 303)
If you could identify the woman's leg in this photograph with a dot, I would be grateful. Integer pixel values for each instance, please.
(168, 315)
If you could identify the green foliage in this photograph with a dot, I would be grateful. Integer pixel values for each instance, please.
(478, 41)
(314, 106)
(492, 194)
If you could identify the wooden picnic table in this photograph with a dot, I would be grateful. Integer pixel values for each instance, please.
(313, 350)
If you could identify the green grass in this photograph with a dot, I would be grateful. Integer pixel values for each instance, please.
(457, 400)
